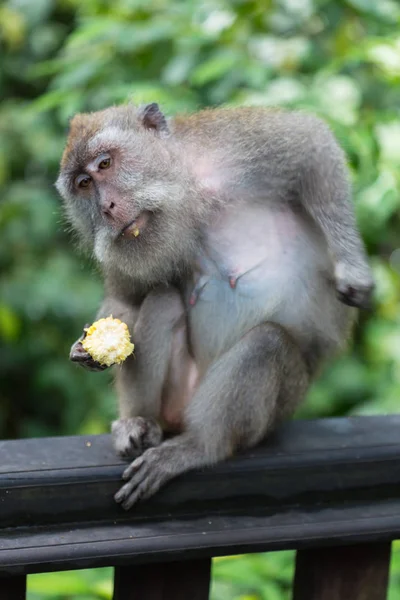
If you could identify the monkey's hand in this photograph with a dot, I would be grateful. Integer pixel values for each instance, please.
(132, 436)
(79, 355)
(354, 285)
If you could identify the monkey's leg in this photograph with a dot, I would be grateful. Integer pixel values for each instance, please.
(326, 197)
(235, 405)
(141, 379)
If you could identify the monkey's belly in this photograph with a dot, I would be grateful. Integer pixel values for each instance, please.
(222, 315)
(258, 265)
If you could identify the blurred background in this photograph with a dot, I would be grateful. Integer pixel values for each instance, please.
(337, 58)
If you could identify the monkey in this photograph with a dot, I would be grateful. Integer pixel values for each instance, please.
(229, 246)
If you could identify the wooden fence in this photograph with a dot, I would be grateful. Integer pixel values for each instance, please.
(328, 488)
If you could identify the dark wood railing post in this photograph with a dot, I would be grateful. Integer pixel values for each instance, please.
(187, 580)
(13, 588)
(312, 486)
(358, 572)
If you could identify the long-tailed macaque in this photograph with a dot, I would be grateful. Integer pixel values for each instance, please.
(229, 246)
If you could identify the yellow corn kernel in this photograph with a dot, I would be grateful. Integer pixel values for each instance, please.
(108, 341)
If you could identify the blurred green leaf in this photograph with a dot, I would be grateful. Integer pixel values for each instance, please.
(214, 68)
(10, 325)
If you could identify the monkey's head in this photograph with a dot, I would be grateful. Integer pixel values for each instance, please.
(130, 193)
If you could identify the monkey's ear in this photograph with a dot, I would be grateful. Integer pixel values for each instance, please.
(152, 117)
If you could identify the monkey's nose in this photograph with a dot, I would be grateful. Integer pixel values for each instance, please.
(108, 208)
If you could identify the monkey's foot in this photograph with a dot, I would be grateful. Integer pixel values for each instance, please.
(145, 476)
(133, 436)
(354, 285)
(157, 466)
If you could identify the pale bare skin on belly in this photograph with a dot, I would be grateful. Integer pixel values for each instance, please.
(254, 268)
(181, 381)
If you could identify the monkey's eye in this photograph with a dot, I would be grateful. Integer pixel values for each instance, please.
(105, 163)
(83, 181)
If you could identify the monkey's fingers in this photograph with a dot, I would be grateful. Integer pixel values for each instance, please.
(132, 436)
(354, 285)
(79, 355)
(357, 297)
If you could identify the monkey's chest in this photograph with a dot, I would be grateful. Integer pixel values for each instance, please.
(256, 265)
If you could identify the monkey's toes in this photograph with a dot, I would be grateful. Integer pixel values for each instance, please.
(139, 485)
(144, 477)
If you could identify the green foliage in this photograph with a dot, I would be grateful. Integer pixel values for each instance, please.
(92, 584)
(338, 58)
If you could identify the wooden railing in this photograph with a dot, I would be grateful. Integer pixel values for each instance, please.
(328, 488)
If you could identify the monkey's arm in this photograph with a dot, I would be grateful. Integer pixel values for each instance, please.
(148, 379)
(326, 196)
(119, 302)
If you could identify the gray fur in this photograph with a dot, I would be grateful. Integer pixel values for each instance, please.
(235, 291)
(134, 435)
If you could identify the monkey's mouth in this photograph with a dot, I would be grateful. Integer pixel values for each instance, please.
(134, 227)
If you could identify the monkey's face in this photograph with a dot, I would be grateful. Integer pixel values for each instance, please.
(126, 188)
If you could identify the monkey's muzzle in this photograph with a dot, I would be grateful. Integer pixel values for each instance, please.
(135, 226)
